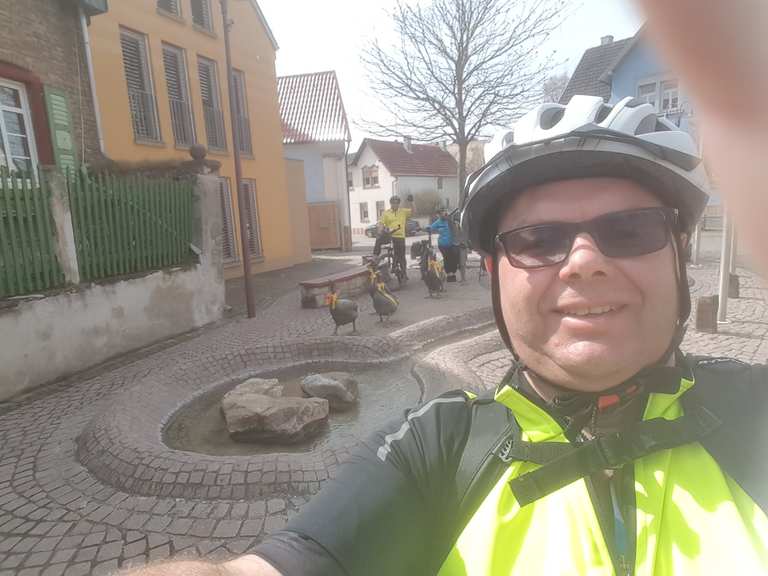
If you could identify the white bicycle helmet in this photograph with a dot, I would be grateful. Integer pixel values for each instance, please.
(586, 138)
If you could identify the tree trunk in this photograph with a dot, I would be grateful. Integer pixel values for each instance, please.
(462, 170)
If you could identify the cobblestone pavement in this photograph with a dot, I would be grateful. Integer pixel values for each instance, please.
(56, 517)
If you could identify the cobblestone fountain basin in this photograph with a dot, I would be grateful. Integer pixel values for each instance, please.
(385, 391)
(137, 441)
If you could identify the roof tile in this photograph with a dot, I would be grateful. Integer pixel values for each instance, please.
(422, 160)
(311, 108)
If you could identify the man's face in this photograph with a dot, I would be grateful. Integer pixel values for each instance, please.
(541, 306)
(394, 205)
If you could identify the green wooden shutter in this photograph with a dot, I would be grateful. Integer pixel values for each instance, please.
(60, 121)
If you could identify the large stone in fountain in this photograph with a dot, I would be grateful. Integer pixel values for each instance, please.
(339, 388)
(284, 420)
(266, 386)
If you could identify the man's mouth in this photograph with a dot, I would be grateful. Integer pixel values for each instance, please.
(588, 310)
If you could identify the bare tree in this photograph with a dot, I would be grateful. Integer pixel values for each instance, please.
(554, 86)
(460, 67)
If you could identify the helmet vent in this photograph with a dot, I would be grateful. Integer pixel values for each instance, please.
(551, 117)
(646, 125)
(603, 113)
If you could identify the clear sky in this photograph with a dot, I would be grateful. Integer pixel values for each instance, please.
(316, 35)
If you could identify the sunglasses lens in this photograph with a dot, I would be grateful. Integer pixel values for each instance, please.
(628, 234)
(537, 246)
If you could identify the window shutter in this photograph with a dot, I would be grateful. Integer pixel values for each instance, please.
(254, 237)
(134, 62)
(173, 73)
(171, 6)
(239, 86)
(201, 13)
(228, 236)
(205, 72)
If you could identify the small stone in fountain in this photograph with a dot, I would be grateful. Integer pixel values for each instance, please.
(339, 388)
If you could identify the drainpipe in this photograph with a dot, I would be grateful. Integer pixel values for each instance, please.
(349, 201)
(91, 79)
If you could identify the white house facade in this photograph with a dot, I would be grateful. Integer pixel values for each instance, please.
(382, 169)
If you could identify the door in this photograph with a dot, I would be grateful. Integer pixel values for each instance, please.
(324, 226)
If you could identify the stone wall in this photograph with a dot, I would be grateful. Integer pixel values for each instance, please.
(50, 337)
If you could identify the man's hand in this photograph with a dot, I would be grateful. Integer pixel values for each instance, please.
(250, 565)
(719, 48)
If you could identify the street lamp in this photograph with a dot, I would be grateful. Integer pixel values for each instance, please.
(242, 199)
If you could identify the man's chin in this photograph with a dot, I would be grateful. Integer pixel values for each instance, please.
(592, 366)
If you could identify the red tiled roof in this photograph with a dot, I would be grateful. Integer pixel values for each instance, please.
(422, 160)
(311, 109)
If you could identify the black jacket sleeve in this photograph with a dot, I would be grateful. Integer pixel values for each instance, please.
(392, 508)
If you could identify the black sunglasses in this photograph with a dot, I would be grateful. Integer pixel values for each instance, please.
(622, 234)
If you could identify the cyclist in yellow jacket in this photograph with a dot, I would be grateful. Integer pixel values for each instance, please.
(392, 224)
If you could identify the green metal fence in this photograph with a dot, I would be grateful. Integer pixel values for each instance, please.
(28, 260)
(129, 224)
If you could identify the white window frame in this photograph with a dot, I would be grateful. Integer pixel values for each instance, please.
(659, 91)
(655, 94)
(27, 116)
(439, 183)
(381, 206)
(368, 177)
(367, 218)
(673, 92)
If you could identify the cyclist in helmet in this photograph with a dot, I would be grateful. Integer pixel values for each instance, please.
(394, 221)
(605, 450)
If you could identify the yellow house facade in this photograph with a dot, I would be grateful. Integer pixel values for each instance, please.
(161, 86)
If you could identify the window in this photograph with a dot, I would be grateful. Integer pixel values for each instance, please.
(141, 94)
(647, 93)
(201, 14)
(17, 142)
(440, 183)
(178, 95)
(211, 97)
(169, 6)
(670, 96)
(364, 212)
(228, 229)
(380, 207)
(370, 176)
(243, 123)
(350, 179)
(254, 230)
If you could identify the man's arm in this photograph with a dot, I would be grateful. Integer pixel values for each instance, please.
(249, 565)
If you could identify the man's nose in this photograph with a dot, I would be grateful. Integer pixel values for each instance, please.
(584, 261)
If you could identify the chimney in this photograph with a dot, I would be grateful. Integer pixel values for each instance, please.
(606, 40)
(407, 143)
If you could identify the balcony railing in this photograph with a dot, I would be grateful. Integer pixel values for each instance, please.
(214, 128)
(244, 134)
(181, 119)
(144, 115)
